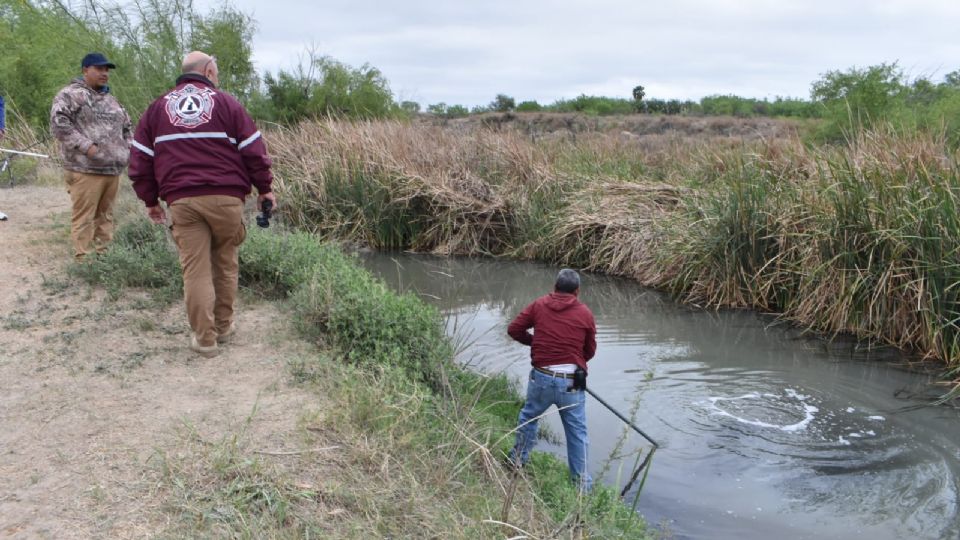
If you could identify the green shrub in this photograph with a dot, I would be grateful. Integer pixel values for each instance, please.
(858, 97)
(448, 111)
(529, 106)
(593, 105)
(881, 97)
(410, 107)
(323, 86)
(334, 298)
(141, 255)
(277, 264)
(502, 103)
(669, 106)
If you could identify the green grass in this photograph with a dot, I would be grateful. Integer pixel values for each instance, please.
(141, 255)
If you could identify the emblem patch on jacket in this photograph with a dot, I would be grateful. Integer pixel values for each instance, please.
(190, 106)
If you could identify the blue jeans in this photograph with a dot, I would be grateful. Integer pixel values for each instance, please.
(542, 392)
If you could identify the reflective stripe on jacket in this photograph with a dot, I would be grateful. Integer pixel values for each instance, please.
(197, 140)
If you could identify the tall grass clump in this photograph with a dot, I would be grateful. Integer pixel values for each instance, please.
(141, 255)
(733, 238)
(729, 240)
(893, 236)
(391, 185)
(334, 299)
(860, 239)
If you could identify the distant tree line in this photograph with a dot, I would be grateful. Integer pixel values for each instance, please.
(604, 106)
(43, 41)
(845, 100)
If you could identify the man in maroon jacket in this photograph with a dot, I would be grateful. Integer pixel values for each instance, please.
(197, 149)
(564, 339)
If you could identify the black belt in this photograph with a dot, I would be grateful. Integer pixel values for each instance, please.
(546, 371)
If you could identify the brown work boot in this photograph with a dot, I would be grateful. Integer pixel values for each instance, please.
(206, 352)
(228, 334)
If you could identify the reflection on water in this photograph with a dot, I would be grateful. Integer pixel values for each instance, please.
(765, 432)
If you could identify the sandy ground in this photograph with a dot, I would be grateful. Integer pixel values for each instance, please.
(93, 390)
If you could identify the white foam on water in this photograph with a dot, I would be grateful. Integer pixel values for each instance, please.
(851, 410)
(793, 393)
(843, 441)
(876, 418)
(809, 416)
(808, 411)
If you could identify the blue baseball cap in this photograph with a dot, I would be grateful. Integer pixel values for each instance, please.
(96, 59)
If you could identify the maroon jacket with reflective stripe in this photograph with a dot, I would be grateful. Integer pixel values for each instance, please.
(197, 140)
(564, 331)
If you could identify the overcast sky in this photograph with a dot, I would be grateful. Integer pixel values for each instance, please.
(466, 52)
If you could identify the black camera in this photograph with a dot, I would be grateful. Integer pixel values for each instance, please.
(263, 220)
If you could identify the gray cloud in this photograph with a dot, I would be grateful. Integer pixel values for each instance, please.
(467, 52)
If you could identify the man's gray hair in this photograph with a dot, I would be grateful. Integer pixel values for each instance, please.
(567, 281)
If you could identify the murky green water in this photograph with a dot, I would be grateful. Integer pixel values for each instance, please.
(765, 433)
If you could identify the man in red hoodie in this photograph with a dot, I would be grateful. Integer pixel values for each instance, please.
(564, 339)
(198, 150)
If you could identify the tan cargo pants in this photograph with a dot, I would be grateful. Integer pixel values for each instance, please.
(92, 195)
(208, 231)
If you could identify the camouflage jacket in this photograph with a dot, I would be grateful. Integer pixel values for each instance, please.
(81, 117)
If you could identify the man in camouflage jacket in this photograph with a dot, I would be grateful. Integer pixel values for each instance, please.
(94, 132)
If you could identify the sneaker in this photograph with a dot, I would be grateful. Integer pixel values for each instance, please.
(228, 335)
(206, 352)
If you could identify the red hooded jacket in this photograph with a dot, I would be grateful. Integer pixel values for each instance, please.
(197, 140)
(564, 330)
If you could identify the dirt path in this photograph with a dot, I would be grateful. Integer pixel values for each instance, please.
(92, 391)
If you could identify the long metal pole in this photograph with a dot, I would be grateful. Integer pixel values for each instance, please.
(622, 417)
(19, 153)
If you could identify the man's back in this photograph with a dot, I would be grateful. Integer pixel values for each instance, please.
(564, 330)
(197, 140)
